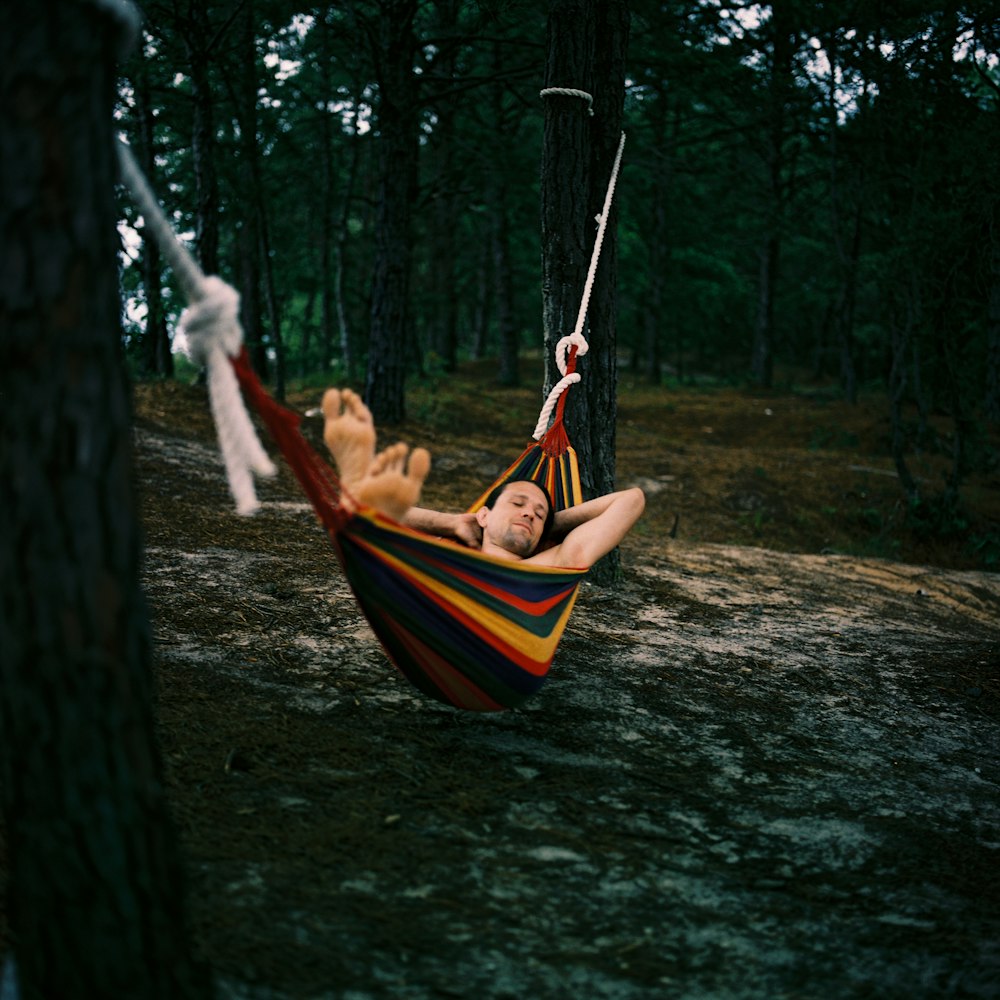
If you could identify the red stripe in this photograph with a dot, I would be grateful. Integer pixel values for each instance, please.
(532, 666)
(455, 686)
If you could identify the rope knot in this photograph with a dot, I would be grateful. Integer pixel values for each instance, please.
(212, 321)
(563, 347)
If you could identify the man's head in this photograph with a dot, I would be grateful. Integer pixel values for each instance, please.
(516, 517)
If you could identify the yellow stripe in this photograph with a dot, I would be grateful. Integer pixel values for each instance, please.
(541, 649)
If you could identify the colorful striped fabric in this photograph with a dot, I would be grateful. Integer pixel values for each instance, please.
(467, 629)
(558, 472)
(473, 631)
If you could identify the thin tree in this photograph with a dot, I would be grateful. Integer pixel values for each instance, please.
(154, 355)
(779, 44)
(200, 39)
(93, 897)
(393, 42)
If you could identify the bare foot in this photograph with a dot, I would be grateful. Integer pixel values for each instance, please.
(392, 485)
(349, 433)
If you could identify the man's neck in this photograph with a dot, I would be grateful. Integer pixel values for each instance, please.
(499, 552)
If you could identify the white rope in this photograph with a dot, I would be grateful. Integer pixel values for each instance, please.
(184, 266)
(211, 326)
(550, 404)
(576, 338)
(129, 20)
(570, 92)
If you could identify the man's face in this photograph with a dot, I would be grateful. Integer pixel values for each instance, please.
(517, 519)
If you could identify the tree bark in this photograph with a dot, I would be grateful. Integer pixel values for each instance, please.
(339, 256)
(565, 173)
(484, 302)
(206, 221)
(600, 383)
(846, 241)
(502, 297)
(397, 170)
(992, 402)
(762, 358)
(586, 51)
(904, 322)
(154, 351)
(658, 252)
(508, 367)
(780, 85)
(93, 898)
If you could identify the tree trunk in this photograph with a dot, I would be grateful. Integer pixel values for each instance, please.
(339, 262)
(445, 208)
(442, 280)
(484, 302)
(658, 251)
(333, 234)
(93, 897)
(598, 428)
(846, 245)
(206, 220)
(155, 355)
(272, 303)
(248, 242)
(992, 401)
(256, 271)
(586, 47)
(273, 342)
(762, 359)
(565, 174)
(780, 86)
(398, 151)
(508, 341)
(508, 368)
(904, 323)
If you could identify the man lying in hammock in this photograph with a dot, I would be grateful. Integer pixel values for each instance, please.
(516, 518)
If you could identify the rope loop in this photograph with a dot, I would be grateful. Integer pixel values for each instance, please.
(550, 404)
(570, 92)
(564, 346)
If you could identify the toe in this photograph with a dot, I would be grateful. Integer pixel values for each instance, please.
(420, 463)
(331, 404)
(356, 405)
(399, 453)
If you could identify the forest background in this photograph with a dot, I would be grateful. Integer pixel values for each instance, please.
(835, 226)
(809, 197)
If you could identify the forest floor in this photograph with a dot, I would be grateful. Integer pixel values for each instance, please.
(766, 767)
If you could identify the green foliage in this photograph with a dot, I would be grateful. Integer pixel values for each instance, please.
(879, 193)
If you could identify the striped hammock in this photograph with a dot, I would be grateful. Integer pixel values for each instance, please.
(473, 631)
(470, 630)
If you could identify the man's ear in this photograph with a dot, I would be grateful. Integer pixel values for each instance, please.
(481, 515)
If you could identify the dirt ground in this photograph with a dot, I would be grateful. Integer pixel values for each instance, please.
(767, 767)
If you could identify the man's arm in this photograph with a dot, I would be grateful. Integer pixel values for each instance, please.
(462, 527)
(592, 529)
